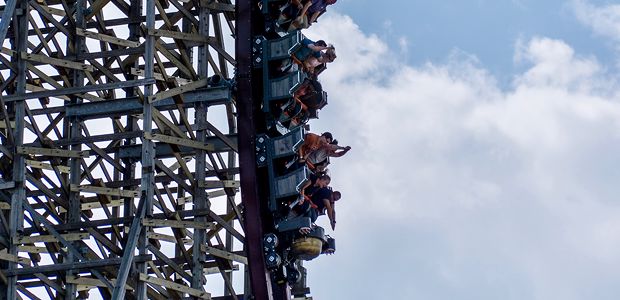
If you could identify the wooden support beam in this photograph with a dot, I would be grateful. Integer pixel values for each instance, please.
(218, 193)
(46, 166)
(175, 286)
(167, 238)
(56, 61)
(3, 125)
(5, 186)
(105, 191)
(96, 7)
(225, 254)
(172, 57)
(51, 239)
(178, 141)
(7, 17)
(96, 205)
(176, 224)
(51, 152)
(211, 184)
(229, 142)
(80, 89)
(160, 76)
(14, 258)
(107, 38)
(224, 222)
(179, 90)
(121, 221)
(179, 35)
(32, 249)
(54, 11)
(214, 44)
(211, 195)
(216, 270)
(34, 88)
(88, 283)
(88, 265)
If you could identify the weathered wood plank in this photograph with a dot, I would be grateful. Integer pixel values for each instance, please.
(51, 239)
(107, 38)
(4, 255)
(88, 283)
(6, 185)
(92, 264)
(211, 184)
(190, 199)
(167, 238)
(54, 11)
(178, 141)
(194, 85)
(32, 249)
(56, 62)
(216, 270)
(3, 125)
(176, 224)
(179, 35)
(51, 152)
(105, 191)
(225, 254)
(34, 88)
(46, 166)
(174, 60)
(96, 7)
(96, 205)
(175, 286)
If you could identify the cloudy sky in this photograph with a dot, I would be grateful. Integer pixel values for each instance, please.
(486, 150)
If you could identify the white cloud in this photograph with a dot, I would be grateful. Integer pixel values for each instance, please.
(604, 20)
(555, 64)
(457, 189)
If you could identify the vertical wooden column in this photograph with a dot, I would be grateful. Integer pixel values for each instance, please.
(72, 128)
(137, 232)
(200, 195)
(147, 183)
(16, 217)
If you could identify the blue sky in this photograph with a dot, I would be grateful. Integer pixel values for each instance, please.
(489, 29)
(485, 149)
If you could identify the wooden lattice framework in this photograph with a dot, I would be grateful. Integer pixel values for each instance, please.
(118, 156)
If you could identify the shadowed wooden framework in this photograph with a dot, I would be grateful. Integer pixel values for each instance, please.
(118, 155)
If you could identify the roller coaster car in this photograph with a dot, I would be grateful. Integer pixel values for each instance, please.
(276, 154)
(304, 105)
(291, 98)
(272, 11)
(284, 249)
(267, 51)
(311, 95)
(310, 246)
(272, 7)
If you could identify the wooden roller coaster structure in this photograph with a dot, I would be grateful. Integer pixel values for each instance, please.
(128, 155)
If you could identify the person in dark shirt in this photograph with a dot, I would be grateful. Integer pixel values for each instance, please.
(325, 199)
(322, 203)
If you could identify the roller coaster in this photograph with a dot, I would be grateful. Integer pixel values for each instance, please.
(159, 149)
